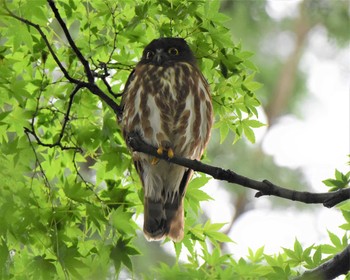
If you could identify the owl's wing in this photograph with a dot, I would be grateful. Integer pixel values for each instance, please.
(128, 81)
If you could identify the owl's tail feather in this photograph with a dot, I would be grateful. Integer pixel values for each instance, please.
(166, 218)
(163, 219)
(154, 225)
(174, 212)
(174, 209)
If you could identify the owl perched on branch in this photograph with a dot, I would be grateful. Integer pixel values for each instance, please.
(167, 102)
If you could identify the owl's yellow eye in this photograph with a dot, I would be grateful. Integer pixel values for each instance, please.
(173, 51)
(149, 54)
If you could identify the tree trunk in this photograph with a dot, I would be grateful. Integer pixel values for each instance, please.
(284, 88)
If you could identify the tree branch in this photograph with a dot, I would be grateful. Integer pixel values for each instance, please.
(71, 41)
(265, 187)
(338, 265)
(66, 115)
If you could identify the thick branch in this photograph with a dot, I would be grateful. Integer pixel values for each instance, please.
(328, 199)
(71, 41)
(338, 265)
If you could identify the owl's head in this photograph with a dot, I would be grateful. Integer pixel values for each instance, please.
(165, 51)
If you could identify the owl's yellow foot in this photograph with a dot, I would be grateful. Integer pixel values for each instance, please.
(160, 151)
(154, 161)
(170, 153)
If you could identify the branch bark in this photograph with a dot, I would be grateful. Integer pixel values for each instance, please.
(338, 265)
(328, 199)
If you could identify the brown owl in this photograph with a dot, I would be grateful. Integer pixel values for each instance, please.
(167, 102)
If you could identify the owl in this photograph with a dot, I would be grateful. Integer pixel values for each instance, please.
(166, 101)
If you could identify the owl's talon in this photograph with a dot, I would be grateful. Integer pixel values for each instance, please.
(170, 153)
(160, 150)
(154, 161)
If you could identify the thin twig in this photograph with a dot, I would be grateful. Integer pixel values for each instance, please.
(113, 10)
(88, 185)
(37, 161)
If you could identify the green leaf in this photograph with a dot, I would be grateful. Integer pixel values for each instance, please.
(194, 195)
(254, 123)
(248, 132)
(76, 191)
(178, 248)
(4, 256)
(95, 214)
(335, 240)
(307, 253)
(338, 175)
(341, 181)
(42, 268)
(298, 249)
(121, 252)
(212, 231)
(121, 220)
(317, 257)
(224, 130)
(291, 254)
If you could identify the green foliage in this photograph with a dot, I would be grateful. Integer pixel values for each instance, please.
(69, 196)
(341, 181)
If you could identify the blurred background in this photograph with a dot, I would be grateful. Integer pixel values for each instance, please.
(302, 52)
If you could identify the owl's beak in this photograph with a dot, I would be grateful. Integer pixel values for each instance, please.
(159, 57)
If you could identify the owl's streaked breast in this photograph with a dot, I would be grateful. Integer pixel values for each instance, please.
(166, 105)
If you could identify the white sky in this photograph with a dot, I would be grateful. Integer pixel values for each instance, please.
(319, 142)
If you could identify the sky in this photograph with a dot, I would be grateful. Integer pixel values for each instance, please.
(321, 146)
